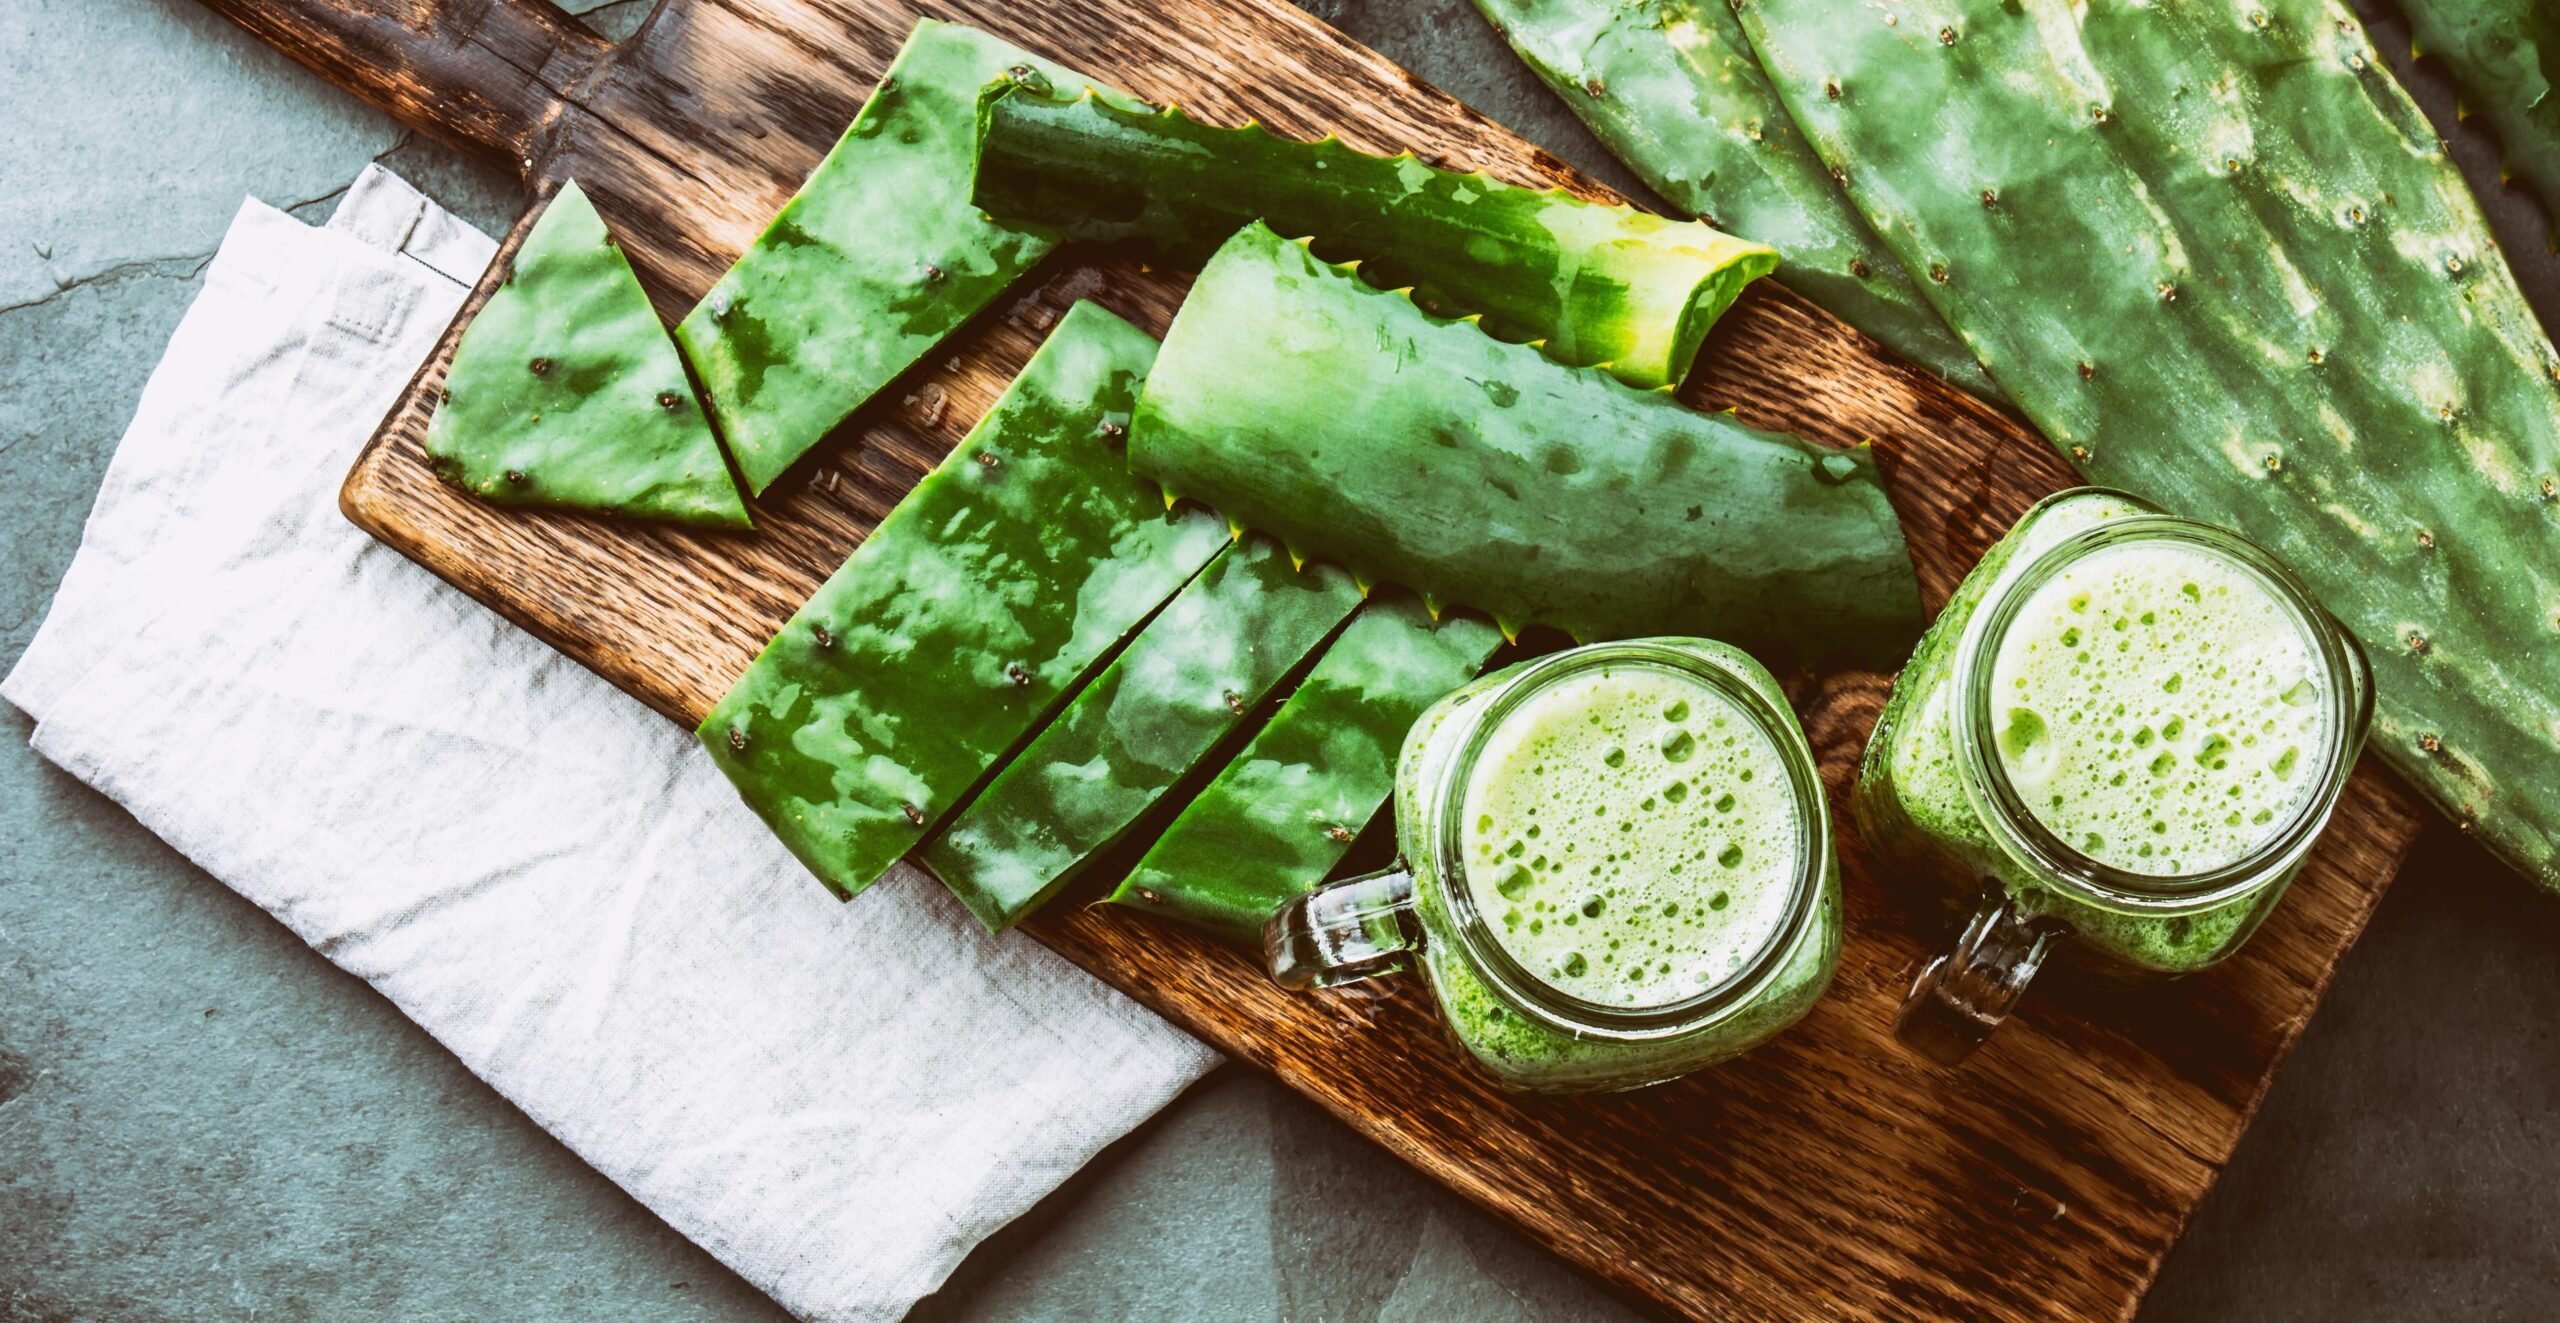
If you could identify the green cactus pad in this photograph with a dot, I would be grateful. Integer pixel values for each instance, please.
(1347, 422)
(1278, 818)
(2212, 250)
(966, 618)
(876, 259)
(565, 391)
(1596, 284)
(1672, 89)
(1187, 681)
(2505, 54)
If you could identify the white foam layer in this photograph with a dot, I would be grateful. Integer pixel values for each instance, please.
(2159, 708)
(1631, 836)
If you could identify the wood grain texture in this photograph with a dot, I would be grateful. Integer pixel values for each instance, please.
(1828, 1175)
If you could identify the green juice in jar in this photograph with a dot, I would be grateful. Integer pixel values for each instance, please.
(2132, 727)
(1619, 864)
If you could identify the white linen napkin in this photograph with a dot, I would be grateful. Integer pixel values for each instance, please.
(838, 1100)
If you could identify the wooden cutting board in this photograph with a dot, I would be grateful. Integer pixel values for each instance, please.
(1827, 1175)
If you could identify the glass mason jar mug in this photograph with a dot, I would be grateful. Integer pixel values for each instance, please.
(2126, 731)
(1616, 868)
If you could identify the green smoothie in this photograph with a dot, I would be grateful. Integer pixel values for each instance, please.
(1631, 837)
(1621, 862)
(2157, 704)
(2159, 708)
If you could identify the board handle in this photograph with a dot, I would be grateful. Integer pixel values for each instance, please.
(489, 77)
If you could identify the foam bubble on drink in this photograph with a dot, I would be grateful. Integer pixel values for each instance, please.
(1631, 836)
(2158, 708)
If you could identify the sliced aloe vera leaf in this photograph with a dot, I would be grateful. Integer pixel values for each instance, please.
(875, 261)
(966, 618)
(566, 392)
(1597, 284)
(1672, 88)
(1351, 425)
(1278, 818)
(1188, 679)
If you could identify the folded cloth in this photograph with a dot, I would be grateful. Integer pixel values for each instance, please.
(838, 1100)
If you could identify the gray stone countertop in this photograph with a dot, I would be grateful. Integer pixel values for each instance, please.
(199, 1118)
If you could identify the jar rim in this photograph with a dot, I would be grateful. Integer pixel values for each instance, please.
(1523, 990)
(2348, 694)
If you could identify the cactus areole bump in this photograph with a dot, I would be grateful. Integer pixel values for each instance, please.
(1186, 682)
(1300, 401)
(566, 392)
(2346, 374)
(877, 258)
(1593, 283)
(966, 618)
(1682, 101)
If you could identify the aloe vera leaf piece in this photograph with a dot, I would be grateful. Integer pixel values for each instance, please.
(1278, 818)
(1597, 284)
(1183, 683)
(966, 618)
(2216, 254)
(1352, 425)
(565, 391)
(2505, 56)
(1671, 87)
(874, 261)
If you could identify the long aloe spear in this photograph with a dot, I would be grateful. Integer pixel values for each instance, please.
(1673, 89)
(876, 259)
(2506, 56)
(1295, 399)
(2213, 251)
(1595, 283)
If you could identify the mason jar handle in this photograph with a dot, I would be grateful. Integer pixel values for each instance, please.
(1358, 928)
(1958, 998)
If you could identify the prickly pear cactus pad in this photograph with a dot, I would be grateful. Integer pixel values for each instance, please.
(2212, 250)
(1300, 401)
(565, 391)
(1596, 284)
(877, 258)
(2506, 56)
(1673, 90)
(966, 618)
(1189, 678)
(1278, 818)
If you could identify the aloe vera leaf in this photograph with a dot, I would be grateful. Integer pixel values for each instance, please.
(1278, 818)
(1597, 284)
(966, 618)
(1671, 87)
(2216, 254)
(1352, 425)
(565, 391)
(2505, 56)
(1183, 683)
(874, 261)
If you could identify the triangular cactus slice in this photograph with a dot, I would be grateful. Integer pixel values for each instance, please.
(874, 261)
(2505, 54)
(1590, 282)
(2218, 256)
(566, 392)
(1672, 88)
